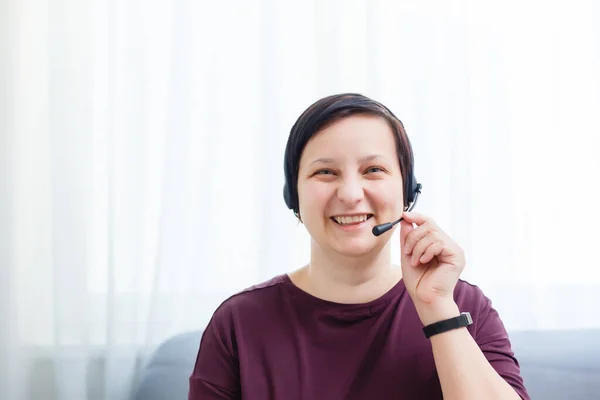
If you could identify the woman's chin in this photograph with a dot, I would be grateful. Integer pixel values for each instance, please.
(355, 248)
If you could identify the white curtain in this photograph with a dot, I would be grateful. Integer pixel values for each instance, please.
(142, 161)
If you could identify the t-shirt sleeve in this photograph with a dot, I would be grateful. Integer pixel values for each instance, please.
(493, 340)
(216, 371)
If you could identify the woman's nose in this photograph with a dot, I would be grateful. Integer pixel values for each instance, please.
(350, 192)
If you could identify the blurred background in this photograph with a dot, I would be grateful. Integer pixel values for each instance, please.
(141, 161)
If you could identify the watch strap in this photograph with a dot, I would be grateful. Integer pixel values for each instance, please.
(464, 319)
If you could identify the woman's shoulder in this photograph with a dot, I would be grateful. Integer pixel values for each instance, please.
(251, 300)
(470, 297)
(486, 319)
(467, 288)
(259, 291)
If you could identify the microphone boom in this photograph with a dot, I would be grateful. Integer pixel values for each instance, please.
(382, 228)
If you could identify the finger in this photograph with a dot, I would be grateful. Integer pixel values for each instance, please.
(416, 218)
(435, 249)
(415, 236)
(421, 246)
(405, 229)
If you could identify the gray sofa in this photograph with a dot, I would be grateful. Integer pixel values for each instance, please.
(555, 365)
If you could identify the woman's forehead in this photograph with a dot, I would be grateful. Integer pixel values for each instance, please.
(361, 138)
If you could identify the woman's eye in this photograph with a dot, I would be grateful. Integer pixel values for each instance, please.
(374, 169)
(324, 172)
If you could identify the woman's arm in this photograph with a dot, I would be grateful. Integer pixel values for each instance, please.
(470, 366)
(216, 371)
(463, 368)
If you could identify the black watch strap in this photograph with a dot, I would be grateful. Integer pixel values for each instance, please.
(464, 319)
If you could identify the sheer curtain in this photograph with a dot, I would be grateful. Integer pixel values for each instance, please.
(142, 161)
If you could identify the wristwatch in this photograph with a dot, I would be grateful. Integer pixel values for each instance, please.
(464, 319)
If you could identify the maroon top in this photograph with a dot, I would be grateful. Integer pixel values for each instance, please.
(275, 341)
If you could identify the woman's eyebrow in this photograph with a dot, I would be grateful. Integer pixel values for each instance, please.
(323, 160)
(371, 157)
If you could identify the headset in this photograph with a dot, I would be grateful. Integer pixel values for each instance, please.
(412, 192)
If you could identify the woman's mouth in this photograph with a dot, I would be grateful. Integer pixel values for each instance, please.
(350, 220)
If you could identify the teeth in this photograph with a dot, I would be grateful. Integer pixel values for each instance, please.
(356, 219)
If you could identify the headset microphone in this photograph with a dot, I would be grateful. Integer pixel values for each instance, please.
(382, 228)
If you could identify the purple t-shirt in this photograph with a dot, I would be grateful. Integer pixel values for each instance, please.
(276, 341)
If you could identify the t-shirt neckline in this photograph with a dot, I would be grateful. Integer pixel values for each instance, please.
(308, 298)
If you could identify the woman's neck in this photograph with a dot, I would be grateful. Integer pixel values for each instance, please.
(349, 280)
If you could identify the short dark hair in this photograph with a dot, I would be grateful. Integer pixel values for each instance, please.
(325, 112)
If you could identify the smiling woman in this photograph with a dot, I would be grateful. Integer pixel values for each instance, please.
(350, 324)
(348, 172)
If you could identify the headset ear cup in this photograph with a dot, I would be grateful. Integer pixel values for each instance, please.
(411, 189)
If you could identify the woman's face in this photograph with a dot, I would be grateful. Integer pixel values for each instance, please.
(349, 181)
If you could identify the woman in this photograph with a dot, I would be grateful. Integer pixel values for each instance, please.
(350, 324)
